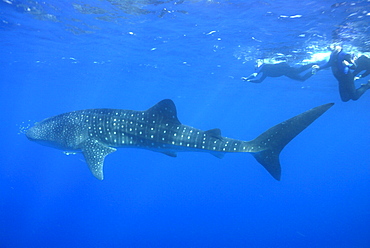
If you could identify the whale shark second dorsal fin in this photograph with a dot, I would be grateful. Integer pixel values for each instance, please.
(215, 133)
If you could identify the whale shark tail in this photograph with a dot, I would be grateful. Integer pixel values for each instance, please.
(271, 142)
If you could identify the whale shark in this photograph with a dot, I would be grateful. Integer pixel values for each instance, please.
(98, 132)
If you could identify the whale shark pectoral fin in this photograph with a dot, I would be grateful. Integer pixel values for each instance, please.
(95, 153)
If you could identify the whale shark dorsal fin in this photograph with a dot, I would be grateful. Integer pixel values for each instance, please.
(95, 153)
(165, 109)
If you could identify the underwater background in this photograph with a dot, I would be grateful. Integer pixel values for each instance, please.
(61, 56)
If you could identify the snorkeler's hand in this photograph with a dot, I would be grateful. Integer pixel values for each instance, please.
(316, 67)
(346, 63)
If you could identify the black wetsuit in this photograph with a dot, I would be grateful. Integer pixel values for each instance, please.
(281, 69)
(344, 75)
(362, 64)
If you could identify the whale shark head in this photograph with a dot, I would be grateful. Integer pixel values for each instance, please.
(43, 133)
(58, 132)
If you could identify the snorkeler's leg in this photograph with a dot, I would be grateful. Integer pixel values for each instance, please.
(305, 67)
(296, 72)
(367, 72)
(295, 76)
(344, 95)
(346, 86)
(360, 91)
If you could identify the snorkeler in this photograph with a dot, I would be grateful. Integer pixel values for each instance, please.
(362, 64)
(280, 69)
(341, 64)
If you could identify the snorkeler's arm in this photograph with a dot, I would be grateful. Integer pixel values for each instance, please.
(347, 64)
(348, 61)
(326, 65)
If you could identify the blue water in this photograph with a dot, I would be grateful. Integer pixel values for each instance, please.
(60, 56)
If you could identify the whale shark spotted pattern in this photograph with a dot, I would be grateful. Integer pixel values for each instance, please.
(97, 132)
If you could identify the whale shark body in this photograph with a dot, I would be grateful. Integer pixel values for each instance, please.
(98, 132)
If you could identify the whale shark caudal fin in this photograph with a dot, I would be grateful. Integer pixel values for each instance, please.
(271, 142)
